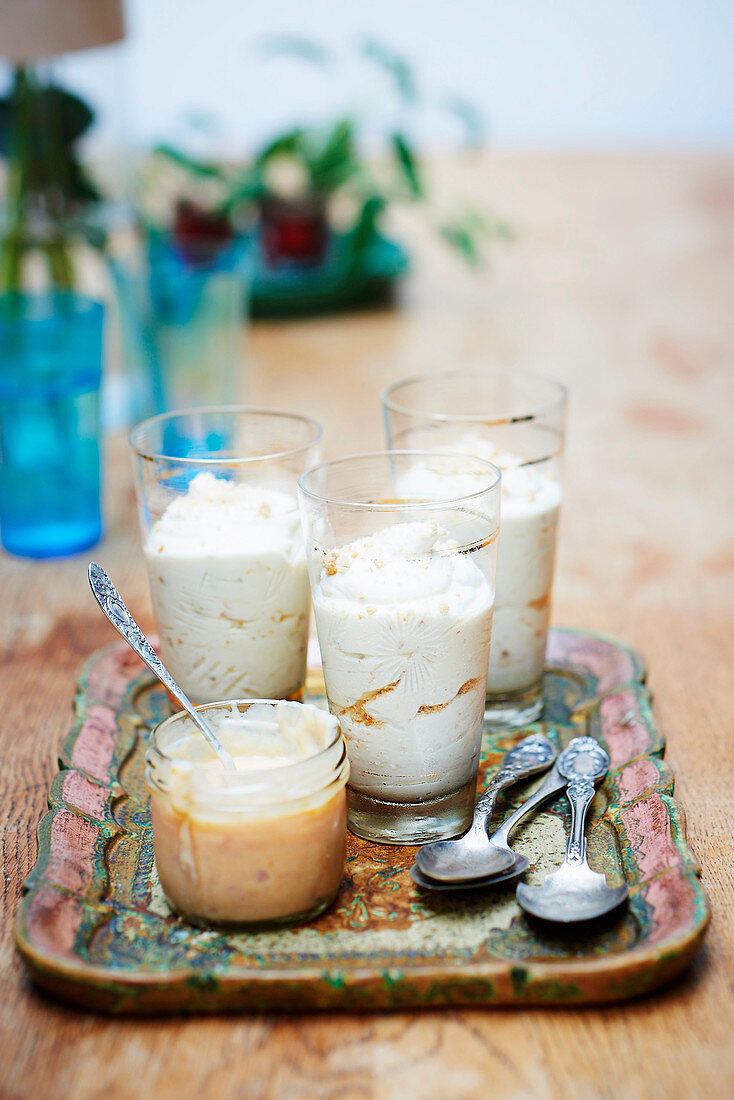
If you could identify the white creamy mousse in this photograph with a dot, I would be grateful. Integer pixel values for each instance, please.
(404, 624)
(230, 591)
(531, 499)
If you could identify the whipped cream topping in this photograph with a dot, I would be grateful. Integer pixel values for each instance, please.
(405, 563)
(404, 621)
(216, 514)
(230, 591)
(523, 484)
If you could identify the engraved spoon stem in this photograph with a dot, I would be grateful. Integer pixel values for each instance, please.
(552, 783)
(111, 602)
(485, 806)
(580, 795)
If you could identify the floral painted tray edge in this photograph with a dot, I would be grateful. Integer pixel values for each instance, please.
(650, 822)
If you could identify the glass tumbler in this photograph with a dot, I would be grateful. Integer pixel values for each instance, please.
(183, 312)
(516, 421)
(403, 592)
(216, 492)
(50, 376)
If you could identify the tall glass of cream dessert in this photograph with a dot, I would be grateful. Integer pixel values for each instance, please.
(216, 491)
(260, 845)
(403, 593)
(516, 421)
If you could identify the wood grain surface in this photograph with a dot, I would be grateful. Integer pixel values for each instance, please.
(620, 285)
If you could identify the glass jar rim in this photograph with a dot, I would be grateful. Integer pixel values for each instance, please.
(543, 409)
(398, 506)
(233, 781)
(153, 455)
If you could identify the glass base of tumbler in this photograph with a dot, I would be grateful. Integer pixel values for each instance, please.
(50, 540)
(511, 709)
(410, 822)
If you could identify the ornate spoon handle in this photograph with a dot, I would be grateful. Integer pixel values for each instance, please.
(580, 795)
(111, 602)
(583, 763)
(552, 783)
(534, 754)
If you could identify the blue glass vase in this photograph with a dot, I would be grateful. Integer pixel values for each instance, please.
(50, 375)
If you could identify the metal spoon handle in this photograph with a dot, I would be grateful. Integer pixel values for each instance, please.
(111, 602)
(532, 755)
(485, 805)
(580, 793)
(552, 783)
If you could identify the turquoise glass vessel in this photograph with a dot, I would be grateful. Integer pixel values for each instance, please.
(50, 376)
(183, 313)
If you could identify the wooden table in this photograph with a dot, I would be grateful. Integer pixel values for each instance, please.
(620, 285)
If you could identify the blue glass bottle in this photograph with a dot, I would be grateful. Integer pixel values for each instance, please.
(50, 376)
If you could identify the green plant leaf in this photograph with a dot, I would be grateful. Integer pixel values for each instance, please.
(394, 64)
(488, 224)
(408, 165)
(289, 144)
(79, 185)
(365, 227)
(462, 240)
(60, 263)
(55, 109)
(196, 167)
(12, 249)
(294, 45)
(246, 188)
(469, 116)
(469, 230)
(335, 161)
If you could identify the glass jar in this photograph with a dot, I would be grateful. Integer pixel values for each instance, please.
(262, 845)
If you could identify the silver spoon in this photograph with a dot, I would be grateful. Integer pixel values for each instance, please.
(427, 883)
(574, 892)
(110, 600)
(499, 842)
(475, 855)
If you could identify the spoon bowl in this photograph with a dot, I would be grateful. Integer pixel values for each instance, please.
(566, 897)
(574, 892)
(488, 882)
(476, 855)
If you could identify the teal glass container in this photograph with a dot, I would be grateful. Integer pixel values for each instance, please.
(183, 313)
(50, 376)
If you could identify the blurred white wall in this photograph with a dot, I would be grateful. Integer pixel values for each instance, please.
(545, 72)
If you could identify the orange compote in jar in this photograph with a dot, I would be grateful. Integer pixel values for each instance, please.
(261, 845)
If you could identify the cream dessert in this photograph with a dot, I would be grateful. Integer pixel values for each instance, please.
(265, 843)
(531, 499)
(230, 590)
(404, 619)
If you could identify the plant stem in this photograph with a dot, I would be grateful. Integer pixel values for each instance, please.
(27, 188)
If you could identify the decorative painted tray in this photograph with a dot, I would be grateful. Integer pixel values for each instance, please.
(94, 927)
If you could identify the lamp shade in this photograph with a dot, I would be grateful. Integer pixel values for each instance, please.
(34, 29)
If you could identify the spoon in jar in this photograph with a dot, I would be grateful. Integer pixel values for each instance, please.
(574, 892)
(110, 600)
(476, 855)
